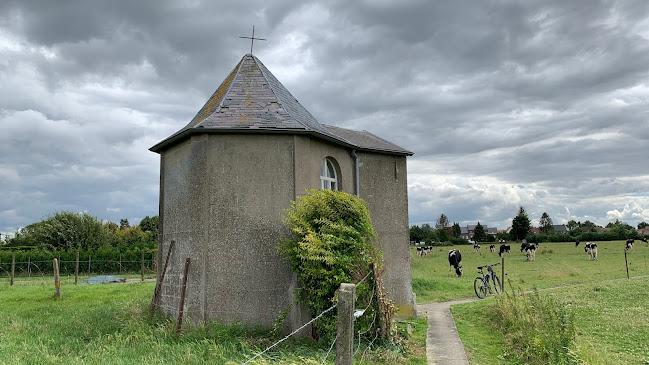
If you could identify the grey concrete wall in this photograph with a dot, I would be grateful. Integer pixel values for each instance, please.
(383, 186)
(183, 172)
(222, 200)
(310, 153)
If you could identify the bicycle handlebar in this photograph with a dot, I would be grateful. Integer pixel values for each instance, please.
(482, 267)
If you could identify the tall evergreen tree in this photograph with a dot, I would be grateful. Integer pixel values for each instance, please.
(457, 231)
(479, 235)
(545, 224)
(520, 225)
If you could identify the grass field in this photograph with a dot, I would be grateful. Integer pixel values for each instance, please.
(556, 264)
(109, 324)
(611, 315)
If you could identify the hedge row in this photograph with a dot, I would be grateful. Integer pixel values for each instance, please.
(582, 237)
(111, 260)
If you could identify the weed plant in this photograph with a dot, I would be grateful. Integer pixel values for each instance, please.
(539, 329)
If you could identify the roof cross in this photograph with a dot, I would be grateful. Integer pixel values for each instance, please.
(252, 39)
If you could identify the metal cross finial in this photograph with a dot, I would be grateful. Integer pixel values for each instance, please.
(252, 39)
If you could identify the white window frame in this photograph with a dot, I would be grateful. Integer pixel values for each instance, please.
(326, 180)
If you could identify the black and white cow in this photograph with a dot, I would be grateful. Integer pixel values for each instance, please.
(476, 247)
(492, 248)
(503, 249)
(423, 251)
(591, 250)
(455, 261)
(629, 244)
(576, 243)
(530, 251)
(524, 246)
(644, 240)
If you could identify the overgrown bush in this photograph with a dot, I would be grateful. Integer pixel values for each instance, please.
(538, 329)
(332, 243)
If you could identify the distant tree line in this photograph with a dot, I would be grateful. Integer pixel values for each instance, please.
(521, 228)
(81, 231)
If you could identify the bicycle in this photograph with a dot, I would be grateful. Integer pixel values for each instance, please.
(482, 283)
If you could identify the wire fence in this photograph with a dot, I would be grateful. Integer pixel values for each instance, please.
(11, 271)
(357, 314)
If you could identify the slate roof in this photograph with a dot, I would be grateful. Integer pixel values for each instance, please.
(252, 100)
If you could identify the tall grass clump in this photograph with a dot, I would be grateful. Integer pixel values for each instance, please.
(538, 329)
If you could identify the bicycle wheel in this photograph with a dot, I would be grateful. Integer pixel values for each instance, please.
(480, 287)
(496, 282)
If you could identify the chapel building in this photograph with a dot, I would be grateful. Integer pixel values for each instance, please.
(226, 179)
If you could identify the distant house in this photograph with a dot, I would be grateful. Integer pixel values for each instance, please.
(644, 230)
(467, 232)
(560, 228)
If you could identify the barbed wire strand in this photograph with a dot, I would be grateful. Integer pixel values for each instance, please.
(291, 334)
(330, 347)
(368, 346)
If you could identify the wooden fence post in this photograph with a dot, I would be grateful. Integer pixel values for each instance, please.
(142, 266)
(179, 324)
(57, 281)
(89, 261)
(627, 265)
(29, 266)
(158, 285)
(502, 282)
(345, 332)
(76, 270)
(13, 268)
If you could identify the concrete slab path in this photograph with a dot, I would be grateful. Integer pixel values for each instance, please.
(443, 344)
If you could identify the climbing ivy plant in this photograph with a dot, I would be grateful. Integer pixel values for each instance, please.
(333, 242)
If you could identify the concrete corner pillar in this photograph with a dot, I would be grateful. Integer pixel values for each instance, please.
(345, 333)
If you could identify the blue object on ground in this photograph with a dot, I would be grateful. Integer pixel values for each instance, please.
(103, 279)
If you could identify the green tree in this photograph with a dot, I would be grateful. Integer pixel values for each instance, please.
(479, 235)
(520, 225)
(588, 225)
(150, 225)
(545, 224)
(64, 231)
(457, 231)
(572, 225)
(417, 234)
(642, 225)
(442, 222)
(123, 223)
(429, 233)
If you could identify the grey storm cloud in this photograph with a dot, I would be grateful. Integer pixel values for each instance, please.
(543, 104)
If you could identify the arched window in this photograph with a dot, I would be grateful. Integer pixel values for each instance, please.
(328, 176)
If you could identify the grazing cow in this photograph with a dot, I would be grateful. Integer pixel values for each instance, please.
(455, 260)
(492, 248)
(476, 247)
(576, 243)
(629, 244)
(503, 249)
(644, 240)
(524, 246)
(591, 250)
(530, 251)
(423, 251)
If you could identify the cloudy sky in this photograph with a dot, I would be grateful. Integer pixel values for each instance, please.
(543, 104)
